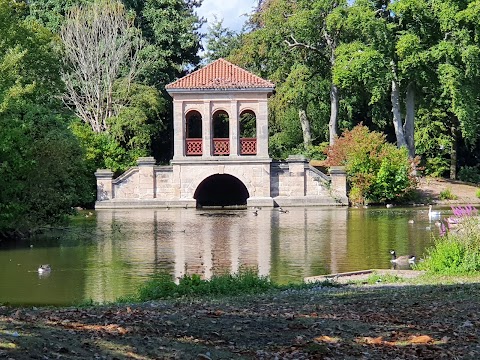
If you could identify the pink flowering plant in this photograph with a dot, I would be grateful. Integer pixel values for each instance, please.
(457, 250)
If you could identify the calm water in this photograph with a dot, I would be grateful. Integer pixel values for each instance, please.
(107, 255)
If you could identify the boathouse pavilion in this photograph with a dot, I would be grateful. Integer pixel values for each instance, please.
(221, 155)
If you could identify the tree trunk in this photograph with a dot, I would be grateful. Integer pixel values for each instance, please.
(453, 154)
(332, 125)
(307, 134)
(397, 116)
(409, 128)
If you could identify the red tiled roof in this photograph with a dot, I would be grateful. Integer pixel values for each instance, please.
(221, 75)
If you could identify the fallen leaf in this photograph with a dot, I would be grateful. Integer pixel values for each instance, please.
(421, 339)
(326, 339)
(373, 341)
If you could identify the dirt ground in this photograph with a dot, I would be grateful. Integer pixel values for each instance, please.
(347, 322)
(430, 189)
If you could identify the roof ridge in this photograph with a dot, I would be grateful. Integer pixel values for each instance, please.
(220, 74)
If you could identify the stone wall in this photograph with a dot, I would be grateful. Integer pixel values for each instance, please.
(289, 183)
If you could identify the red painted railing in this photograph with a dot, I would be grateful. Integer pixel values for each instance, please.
(248, 146)
(221, 147)
(194, 147)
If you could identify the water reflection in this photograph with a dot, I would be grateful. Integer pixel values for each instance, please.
(108, 255)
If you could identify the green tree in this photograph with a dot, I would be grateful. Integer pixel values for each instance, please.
(388, 55)
(299, 109)
(455, 58)
(41, 164)
(220, 41)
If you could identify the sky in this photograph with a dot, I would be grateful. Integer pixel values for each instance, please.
(231, 11)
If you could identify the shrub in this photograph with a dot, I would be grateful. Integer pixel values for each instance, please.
(163, 286)
(478, 193)
(457, 250)
(470, 174)
(377, 171)
(447, 195)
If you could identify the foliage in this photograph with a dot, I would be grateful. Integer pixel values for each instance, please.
(376, 170)
(245, 282)
(171, 43)
(42, 172)
(220, 41)
(470, 174)
(457, 250)
(477, 193)
(447, 195)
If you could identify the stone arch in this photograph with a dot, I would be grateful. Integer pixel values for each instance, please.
(221, 190)
(193, 123)
(193, 133)
(221, 132)
(248, 132)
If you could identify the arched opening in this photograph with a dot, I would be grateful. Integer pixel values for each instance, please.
(221, 190)
(248, 133)
(193, 131)
(221, 133)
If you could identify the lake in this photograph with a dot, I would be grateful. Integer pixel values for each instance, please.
(107, 254)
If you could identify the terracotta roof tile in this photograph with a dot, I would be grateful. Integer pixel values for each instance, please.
(220, 75)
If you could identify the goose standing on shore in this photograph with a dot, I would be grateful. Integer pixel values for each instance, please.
(405, 259)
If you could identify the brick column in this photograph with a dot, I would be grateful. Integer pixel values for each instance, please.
(104, 184)
(234, 128)
(207, 129)
(296, 169)
(178, 130)
(146, 178)
(339, 183)
(262, 128)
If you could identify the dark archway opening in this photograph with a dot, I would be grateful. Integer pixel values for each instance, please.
(221, 190)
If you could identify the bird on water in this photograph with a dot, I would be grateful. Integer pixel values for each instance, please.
(43, 269)
(433, 214)
(404, 259)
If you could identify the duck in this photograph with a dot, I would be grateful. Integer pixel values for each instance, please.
(255, 212)
(389, 206)
(410, 259)
(43, 269)
(433, 214)
(282, 210)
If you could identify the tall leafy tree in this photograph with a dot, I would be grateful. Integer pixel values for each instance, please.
(388, 56)
(456, 59)
(220, 41)
(277, 49)
(171, 31)
(41, 166)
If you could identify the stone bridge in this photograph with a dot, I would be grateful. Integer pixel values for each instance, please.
(221, 153)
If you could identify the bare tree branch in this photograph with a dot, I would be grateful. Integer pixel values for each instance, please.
(101, 44)
(295, 44)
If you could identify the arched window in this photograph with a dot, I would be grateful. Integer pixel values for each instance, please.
(221, 133)
(193, 139)
(248, 133)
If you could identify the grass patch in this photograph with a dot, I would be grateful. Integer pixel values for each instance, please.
(447, 195)
(243, 283)
(477, 193)
(384, 279)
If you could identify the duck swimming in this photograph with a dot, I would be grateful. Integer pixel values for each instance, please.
(43, 269)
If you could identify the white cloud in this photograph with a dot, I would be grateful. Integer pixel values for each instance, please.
(233, 12)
